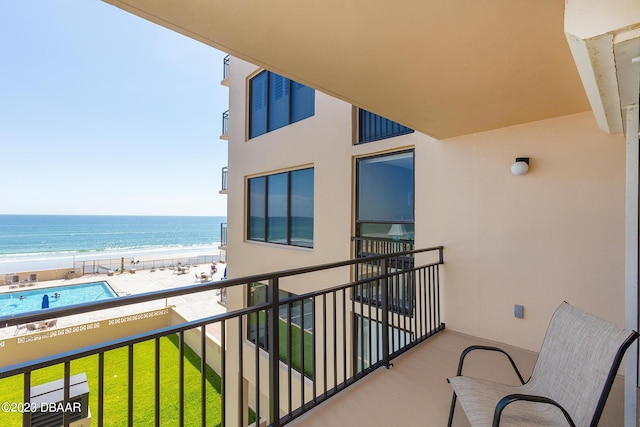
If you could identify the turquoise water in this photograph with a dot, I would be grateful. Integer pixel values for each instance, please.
(11, 303)
(40, 242)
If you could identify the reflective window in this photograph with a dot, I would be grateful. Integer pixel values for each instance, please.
(281, 208)
(302, 208)
(257, 208)
(277, 203)
(385, 188)
(276, 101)
(372, 127)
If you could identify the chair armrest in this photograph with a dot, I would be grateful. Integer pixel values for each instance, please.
(507, 400)
(488, 348)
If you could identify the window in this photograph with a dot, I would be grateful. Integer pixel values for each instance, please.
(276, 101)
(372, 127)
(295, 320)
(385, 192)
(281, 208)
(385, 225)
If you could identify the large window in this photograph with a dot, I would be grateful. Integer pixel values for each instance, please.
(372, 127)
(385, 195)
(385, 225)
(281, 208)
(276, 101)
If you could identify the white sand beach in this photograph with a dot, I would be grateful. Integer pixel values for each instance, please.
(75, 261)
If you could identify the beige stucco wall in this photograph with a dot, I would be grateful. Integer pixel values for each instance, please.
(554, 234)
(193, 337)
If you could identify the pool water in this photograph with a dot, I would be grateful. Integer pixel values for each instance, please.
(59, 296)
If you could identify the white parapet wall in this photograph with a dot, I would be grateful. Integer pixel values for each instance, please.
(43, 343)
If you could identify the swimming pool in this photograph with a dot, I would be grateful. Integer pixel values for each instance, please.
(23, 301)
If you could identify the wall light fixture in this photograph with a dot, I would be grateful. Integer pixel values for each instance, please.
(520, 166)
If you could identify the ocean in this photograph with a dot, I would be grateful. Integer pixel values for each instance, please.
(42, 242)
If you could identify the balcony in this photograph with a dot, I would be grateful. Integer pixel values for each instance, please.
(223, 236)
(302, 368)
(223, 189)
(415, 391)
(225, 126)
(311, 347)
(225, 71)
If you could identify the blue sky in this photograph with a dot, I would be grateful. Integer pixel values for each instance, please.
(102, 112)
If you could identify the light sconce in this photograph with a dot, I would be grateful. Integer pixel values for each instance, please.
(520, 166)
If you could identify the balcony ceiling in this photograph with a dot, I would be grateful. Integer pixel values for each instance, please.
(443, 67)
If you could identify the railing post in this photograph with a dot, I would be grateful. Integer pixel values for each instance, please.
(384, 284)
(274, 354)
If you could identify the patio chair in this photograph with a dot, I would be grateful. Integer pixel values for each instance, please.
(32, 327)
(33, 279)
(48, 324)
(570, 383)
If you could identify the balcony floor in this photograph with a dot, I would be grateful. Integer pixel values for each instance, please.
(415, 392)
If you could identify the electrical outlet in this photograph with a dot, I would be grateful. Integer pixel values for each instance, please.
(518, 311)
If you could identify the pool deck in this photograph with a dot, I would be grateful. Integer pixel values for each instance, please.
(191, 307)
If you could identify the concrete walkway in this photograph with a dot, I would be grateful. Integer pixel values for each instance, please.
(192, 307)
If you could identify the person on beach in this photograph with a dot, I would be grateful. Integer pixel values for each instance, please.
(214, 269)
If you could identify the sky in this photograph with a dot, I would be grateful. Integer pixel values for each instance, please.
(105, 113)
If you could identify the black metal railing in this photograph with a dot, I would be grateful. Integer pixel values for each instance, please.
(225, 172)
(225, 123)
(223, 234)
(401, 296)
(318, 343)
(225, 67)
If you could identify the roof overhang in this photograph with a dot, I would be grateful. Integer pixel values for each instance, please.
(444, 68)
(604, 38)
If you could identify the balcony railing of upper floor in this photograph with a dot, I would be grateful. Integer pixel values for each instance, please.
(223, 235)
(225, 172)
(317, 343)
(226, 69)
(225, 125)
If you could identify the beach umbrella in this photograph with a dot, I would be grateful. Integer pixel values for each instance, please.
(45, 301)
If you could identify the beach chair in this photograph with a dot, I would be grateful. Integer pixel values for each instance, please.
(570, 383)
(32, 327)
(48, 324)
(33, 279)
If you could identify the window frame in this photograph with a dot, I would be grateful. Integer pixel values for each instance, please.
(377, 135)
(265, 227)
(290, 90)
(358, 220)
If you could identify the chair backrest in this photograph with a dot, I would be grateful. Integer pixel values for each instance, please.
(578, 361)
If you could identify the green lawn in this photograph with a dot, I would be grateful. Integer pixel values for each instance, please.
(116, 386)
